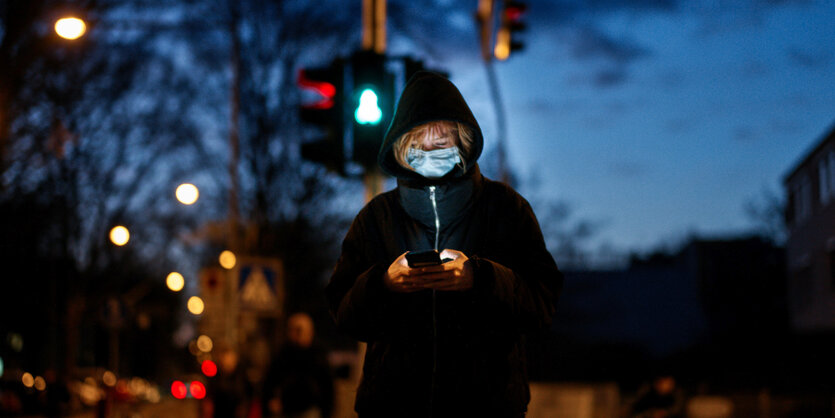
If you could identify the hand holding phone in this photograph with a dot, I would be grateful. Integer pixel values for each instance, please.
(426, 258)
(414, 271)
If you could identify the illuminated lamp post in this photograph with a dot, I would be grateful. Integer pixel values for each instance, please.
(70, 28)
(187, 193)
(119, 235)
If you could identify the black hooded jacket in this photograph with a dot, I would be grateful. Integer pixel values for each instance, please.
(435, 353)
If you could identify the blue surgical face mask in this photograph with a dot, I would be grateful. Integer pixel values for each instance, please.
(433, 163)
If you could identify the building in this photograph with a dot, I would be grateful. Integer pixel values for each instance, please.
(810, 247)
(714, 306)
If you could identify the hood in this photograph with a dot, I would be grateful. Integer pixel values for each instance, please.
(427, 97)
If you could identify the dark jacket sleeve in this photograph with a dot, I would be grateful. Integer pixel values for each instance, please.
(520, 283)
(359, 303)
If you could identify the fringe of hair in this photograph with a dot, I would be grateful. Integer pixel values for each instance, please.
(462, 135)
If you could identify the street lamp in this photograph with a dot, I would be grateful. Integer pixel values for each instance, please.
(28, 380)
(187, 193)
(195, 305)
(227, 260)
(70, 28)
(119, 235)
(175, 281)
(40, 383)
(204, 343)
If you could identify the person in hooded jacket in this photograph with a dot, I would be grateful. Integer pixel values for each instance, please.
(445, 340)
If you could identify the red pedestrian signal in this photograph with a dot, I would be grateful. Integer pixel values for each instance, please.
(322, 108)
(325, 89)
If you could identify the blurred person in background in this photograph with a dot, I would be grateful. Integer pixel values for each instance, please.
(228, 387)
(445, 340)
(299, 383)
(57, 394)
(660, 399)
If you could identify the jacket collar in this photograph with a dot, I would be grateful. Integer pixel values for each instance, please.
(453, 197)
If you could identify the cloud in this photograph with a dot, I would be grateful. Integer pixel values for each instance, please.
(746, 134)
(548, 106)
(606, 77)
(568, 10)
(540, 105)
(590, 43)
(808, 59)
(605, 58)
(773, 3)
(628, 169)
(774, 126)
(755, 68)
(609, 77)
(680, 126)
(785, 127)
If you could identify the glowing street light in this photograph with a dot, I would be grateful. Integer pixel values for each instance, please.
(70, 28)
(187, 193)
(195, 305)
(119, 235)
(28, 380)
(227, 260)
(109, 378)
(204, 343)
(39, 383)
(15, 341)
(175, 281)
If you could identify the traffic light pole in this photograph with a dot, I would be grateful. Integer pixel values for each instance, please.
(501, 121)
(374, 26)
(373, 39)
(485, 17)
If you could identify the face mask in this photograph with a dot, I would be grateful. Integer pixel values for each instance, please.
(433, 163)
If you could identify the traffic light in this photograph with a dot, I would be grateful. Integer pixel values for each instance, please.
(371, 104)
(509, 27)
(323, 107)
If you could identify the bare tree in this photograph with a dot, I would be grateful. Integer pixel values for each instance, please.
(767, 214)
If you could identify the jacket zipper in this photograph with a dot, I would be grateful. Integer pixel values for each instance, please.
(434, 304)
(437, 220)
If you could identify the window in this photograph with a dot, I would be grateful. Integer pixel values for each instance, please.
(831, 174)
(832, 267)
(802, 199)
(830, 252)
(825, 187)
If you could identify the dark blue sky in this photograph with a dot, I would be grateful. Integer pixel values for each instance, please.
(655, 118)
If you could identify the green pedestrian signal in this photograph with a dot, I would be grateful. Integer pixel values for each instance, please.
(372, 104)
(368, 112)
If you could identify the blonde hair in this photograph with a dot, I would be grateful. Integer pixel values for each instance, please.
(461, 133)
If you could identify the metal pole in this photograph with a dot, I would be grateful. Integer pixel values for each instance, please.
(501, 122)
(374, 25)
(373, 39)
(232, 240)
(485, 17)
(234, 142)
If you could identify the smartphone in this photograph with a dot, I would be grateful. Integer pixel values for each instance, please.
(423, 258)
